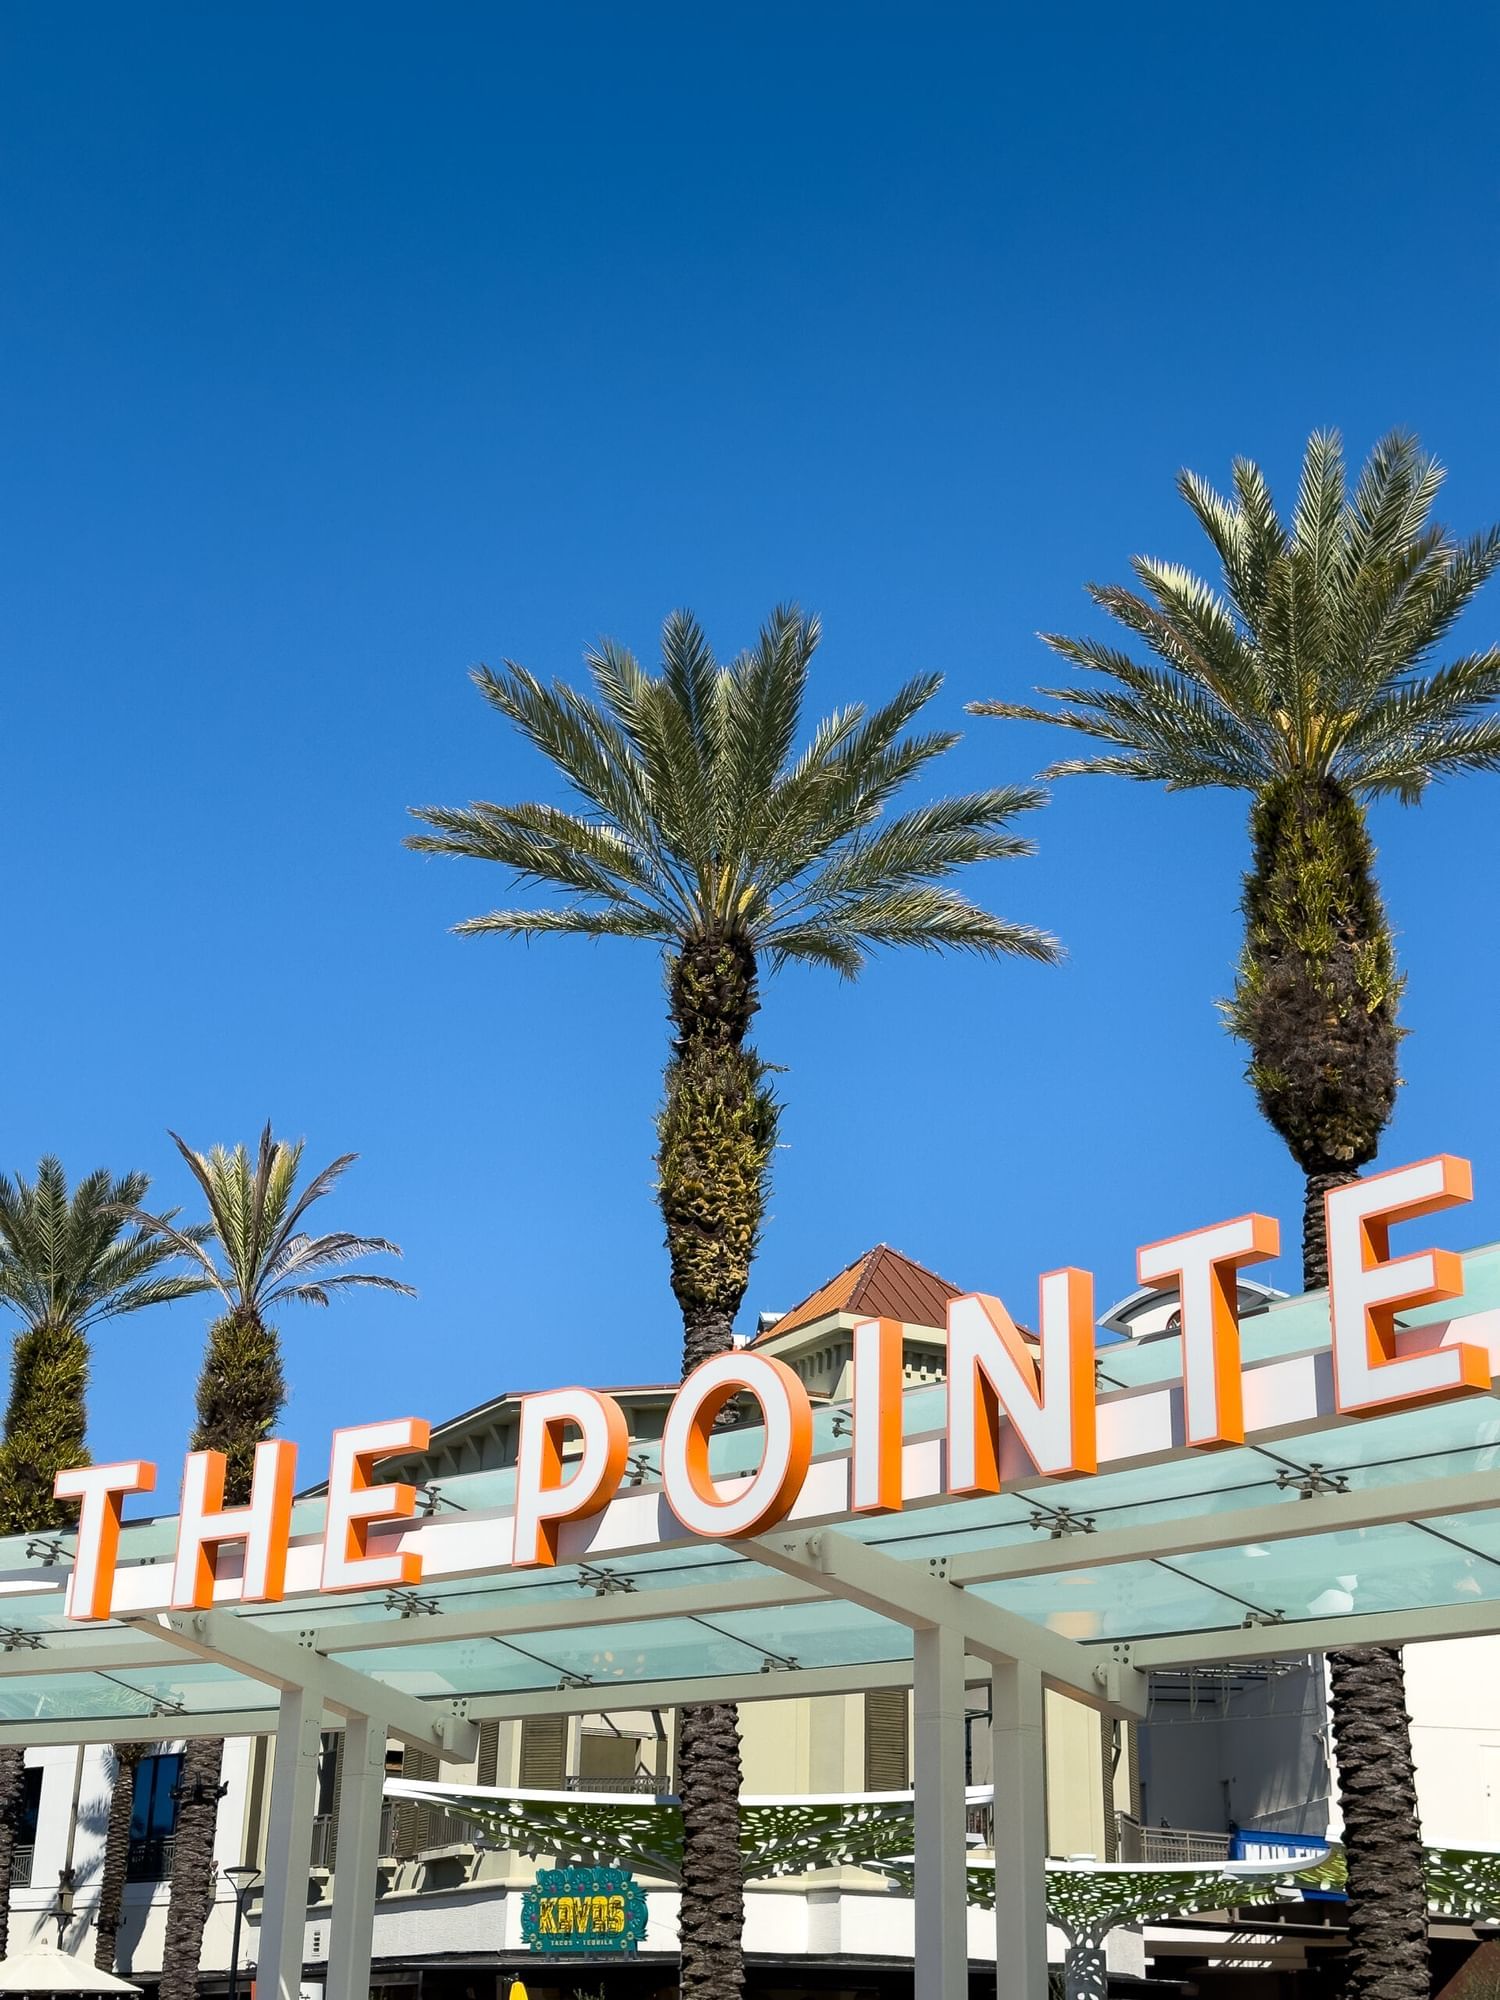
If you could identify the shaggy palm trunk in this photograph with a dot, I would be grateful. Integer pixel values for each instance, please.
(240, 1395)
(1382, 1839)
(1316, 1001)
(45, 1425)
(116, 1855)
(717, 1130)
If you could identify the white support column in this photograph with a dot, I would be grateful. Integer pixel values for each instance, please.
(361, 1794)
(1020, 1832)
(942, 1954)
(294, 1797)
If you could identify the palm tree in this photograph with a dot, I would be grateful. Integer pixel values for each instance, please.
(700, 830)
(255, 1254)
(1306, 678)
(67, 1263)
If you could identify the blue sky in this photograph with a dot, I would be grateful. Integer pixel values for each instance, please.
(345, 347)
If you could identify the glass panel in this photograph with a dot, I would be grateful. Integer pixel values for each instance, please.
(1123, 1601)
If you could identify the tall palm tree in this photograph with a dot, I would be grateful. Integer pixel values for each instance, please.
(699, 829)
(1306, 678)
(68, 1262)
(256, 1255)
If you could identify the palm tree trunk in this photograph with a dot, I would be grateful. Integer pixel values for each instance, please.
(45, 1425)
(12, 1792)
(241, 1391)
(717, 1130)
(1316, 995)
(1315, 1228)
(1316, 1001)
(116, 1855)
(192, 1894)
(1382, 1836)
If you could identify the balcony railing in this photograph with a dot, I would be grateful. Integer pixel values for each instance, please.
(21, 1859)
(151, 1860)
(643, 1782)
(1168, 1843)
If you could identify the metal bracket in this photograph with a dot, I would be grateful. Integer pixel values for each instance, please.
(1309, 1481)
(411, 1604)
(1060, 1521)
(604, 1582)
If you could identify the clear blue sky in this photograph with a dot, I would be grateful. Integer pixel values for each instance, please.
(346, 346)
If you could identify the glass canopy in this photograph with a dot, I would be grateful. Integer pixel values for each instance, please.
(1125, 1564)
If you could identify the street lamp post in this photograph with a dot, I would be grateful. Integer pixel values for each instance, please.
(242, 1881)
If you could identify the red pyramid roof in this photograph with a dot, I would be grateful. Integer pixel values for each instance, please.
(882, 1284)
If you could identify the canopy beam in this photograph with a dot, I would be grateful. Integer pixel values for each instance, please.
(919, 1595)
(267, 1656)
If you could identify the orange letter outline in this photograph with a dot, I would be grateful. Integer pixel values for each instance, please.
(1203, 1264)
(205, 1524)
(786, 1418)
(356, 1505)
(544, 1499)
(100, 1491)
(1367, 1287)
(1050, 1402)
(875, 1481)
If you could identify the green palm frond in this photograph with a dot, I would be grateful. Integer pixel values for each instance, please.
(255, 1209)
(1313, 658)
(75, 1259)
(695, 815)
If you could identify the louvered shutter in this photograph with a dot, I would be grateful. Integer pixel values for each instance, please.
(544, 1752)
(412, 1822)
(489, 1754)
(887, 1740)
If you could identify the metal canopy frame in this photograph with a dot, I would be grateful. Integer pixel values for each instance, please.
(1163, 1558)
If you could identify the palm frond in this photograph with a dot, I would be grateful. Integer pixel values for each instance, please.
(703, 820)
(575, 922)
(255, 1213)
(1317, 663)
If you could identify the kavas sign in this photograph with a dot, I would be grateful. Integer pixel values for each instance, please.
(583, 1909)
(1016, 1407)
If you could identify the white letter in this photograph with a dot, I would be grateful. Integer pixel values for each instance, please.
(1366, 1286)
(101, 1489)
(875, 1408)
(786, 1415)
(356, 1504)
(990, 1369)
(205, 1524)
(544, 1499)
(1202, 1265)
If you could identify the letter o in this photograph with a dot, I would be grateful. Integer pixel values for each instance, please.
(786, 1414)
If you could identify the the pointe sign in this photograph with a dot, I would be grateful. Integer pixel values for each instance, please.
(1018, 1408)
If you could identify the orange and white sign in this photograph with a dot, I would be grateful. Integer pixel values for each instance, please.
(1019, 1410)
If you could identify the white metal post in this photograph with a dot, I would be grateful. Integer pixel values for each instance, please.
(361, 1793)
(294, 1798)
(1020, 1832)
(942, 1953)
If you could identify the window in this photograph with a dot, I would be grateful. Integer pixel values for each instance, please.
(153, 1818)
(25, 1847)
(608, 1763)
(31, 1805)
